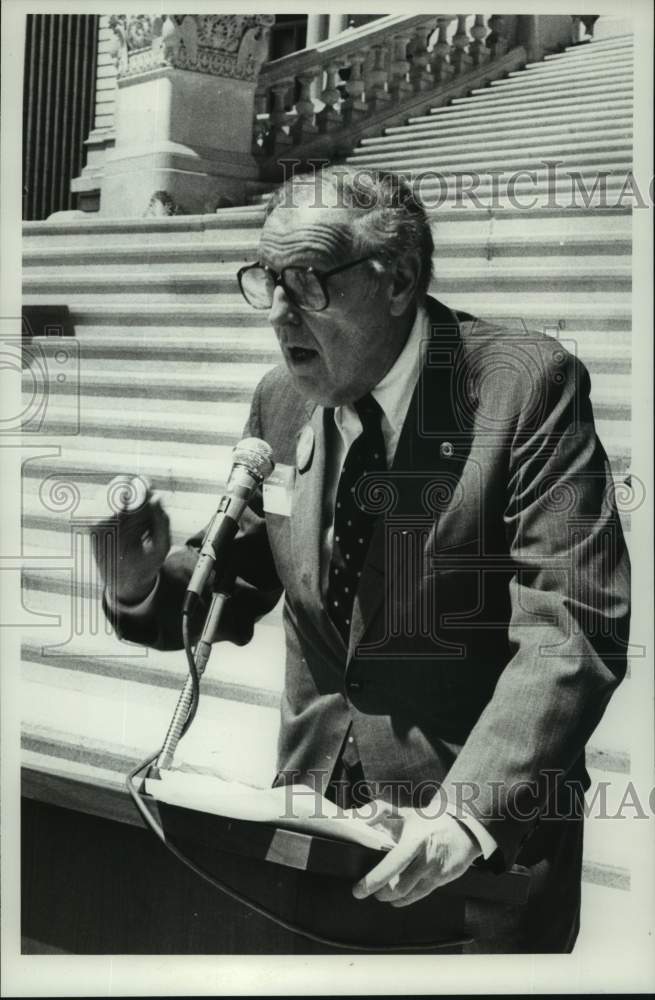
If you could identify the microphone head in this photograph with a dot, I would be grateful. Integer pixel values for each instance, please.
(254, 455)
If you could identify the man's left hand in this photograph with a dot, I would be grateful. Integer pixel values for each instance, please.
(430, 852)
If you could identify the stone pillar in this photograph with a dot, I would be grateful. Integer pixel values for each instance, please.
(542, 35)
(338, 23)
(184, 113)
(317, 29)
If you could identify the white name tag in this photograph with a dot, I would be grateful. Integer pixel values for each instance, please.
(278, 490)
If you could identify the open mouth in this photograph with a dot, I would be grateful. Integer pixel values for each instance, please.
(302, 355)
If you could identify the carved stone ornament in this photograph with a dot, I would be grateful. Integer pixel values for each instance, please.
(230, 45)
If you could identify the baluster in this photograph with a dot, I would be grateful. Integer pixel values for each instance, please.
(419, 73)
(441, 68)
(400, 86)
(497, 40)
(280, 136)
(477, 49)
(329, 118)
(460, 58)
(576, 22)
(356, 83)
(375, 79)
(353, 107)
(304, 126)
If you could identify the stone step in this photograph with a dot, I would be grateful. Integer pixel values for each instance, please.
(198, 408)
(615, 42)
(213, 386)
(582, 104)
(447, 196)
(143, 256)
(188, 320)
(111, 316)
(557, 189)
(539, 311)
(220, 383)
(523, 132)
(77, 705)
(240, 674)
(72, 289)
(50, 262)
(601, 351)
(215, 407)
(470, 123)
(572, 156)
(172, 433)
(595, 62)
(494, 133)
(193, 227)
(137, 676)
(162, 427)
(611, 71)
(48, 506)
(507, 225)
(485, 97)
(184, 430)
(208, 403)
(505, 219)
(258, 347)
(580, 57)
(170, 474)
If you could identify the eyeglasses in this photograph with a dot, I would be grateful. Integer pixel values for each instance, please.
(305, 286)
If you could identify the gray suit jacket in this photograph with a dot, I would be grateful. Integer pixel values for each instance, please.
(491, 624)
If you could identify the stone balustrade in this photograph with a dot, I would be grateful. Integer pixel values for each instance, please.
(369, 70)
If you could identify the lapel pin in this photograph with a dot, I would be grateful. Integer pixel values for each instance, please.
(305, 449)
(446, 449)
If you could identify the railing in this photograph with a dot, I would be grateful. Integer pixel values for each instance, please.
(341, 83)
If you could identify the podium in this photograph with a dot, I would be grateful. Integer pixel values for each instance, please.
(306, 881)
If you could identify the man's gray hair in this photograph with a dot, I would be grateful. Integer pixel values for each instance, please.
(392, 222)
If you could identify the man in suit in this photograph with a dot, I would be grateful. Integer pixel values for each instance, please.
(454, 570)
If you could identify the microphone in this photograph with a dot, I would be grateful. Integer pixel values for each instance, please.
(252, 463)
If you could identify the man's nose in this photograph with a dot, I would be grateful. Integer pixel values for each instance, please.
(282, 308)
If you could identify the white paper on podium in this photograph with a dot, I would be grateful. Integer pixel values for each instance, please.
(295, 807)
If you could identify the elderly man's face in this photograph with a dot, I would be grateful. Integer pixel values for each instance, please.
(337, 355)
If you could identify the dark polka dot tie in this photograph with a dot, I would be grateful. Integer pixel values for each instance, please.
(353, 527)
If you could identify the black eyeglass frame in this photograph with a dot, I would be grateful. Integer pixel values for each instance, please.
(279, 280)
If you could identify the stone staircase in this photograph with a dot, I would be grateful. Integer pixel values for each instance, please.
(158, 377)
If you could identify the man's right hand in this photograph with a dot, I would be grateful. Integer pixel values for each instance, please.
(131, 546)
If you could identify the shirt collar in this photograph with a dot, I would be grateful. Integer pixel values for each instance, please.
(394, 392)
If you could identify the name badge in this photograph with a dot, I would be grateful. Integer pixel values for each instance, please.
(278, 490)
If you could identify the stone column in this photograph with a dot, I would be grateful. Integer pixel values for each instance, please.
(317, 29)
(338, 23)
(184, 113)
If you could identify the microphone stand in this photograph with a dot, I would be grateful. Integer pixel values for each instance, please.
(178, 724)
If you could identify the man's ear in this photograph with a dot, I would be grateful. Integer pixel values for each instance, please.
(406, 275)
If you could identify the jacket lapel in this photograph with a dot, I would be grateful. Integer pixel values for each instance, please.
(430, 422)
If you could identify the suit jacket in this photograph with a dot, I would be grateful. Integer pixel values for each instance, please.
(490, 627)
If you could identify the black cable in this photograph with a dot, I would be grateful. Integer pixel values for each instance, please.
(257, 907)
